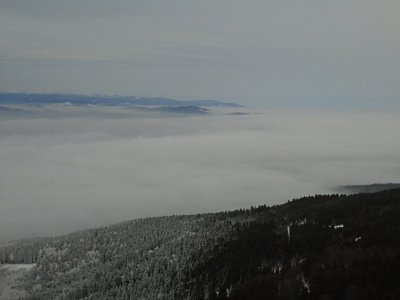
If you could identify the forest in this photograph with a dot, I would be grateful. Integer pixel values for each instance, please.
(326, 247)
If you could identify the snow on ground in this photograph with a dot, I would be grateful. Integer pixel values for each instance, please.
(16, 267)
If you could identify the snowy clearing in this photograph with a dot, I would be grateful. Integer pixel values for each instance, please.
(16, 267)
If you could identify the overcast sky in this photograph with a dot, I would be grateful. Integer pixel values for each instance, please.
(258, 53)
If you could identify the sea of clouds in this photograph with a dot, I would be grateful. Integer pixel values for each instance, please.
(69, 168)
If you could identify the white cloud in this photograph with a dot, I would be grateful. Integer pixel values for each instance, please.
(63, 174)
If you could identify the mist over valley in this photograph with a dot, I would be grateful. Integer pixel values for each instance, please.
(68, 167)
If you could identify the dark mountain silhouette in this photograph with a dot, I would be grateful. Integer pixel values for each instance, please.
(35, 98)
(186, 109)
(368, 188)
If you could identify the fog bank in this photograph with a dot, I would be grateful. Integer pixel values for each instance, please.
(76, 170)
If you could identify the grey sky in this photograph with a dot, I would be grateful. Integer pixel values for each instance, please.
(296, 53)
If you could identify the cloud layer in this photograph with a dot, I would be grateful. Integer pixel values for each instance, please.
(60, 174)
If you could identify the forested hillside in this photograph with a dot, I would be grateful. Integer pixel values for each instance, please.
(320, 247)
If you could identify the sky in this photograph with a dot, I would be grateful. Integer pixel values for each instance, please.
(260, 53)
(70, 168)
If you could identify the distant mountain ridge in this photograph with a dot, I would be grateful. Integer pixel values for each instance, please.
(74, 99)
(368, 188)
(185, 109)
